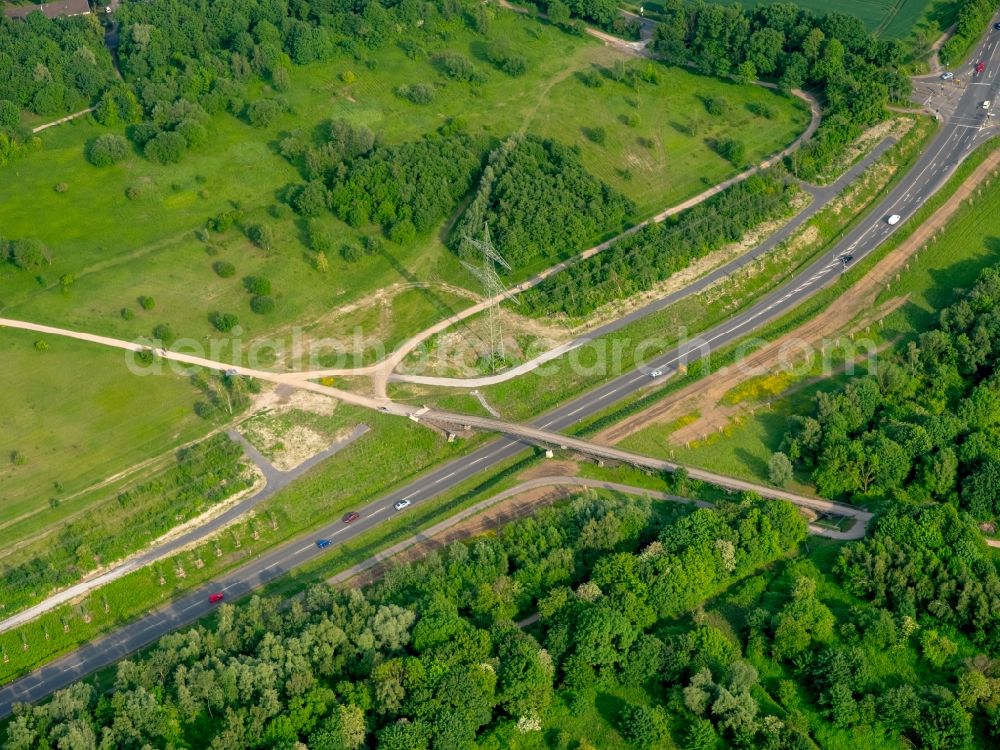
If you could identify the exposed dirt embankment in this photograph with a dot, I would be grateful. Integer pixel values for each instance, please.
(854, 306)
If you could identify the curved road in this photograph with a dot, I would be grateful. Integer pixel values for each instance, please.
(382, 370)
(821, 197)
(961, 133)
(262, 569)
(566, 482)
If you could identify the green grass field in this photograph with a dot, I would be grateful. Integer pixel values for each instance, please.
(741, 450)
(78, 416)
(948, 266)
(117, 249)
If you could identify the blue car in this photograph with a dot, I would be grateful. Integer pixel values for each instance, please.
(322, 543)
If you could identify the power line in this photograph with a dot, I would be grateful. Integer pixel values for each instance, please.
(494, 288)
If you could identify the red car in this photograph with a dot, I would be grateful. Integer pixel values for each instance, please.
(351, 517)
(216, 597)
(980, 67)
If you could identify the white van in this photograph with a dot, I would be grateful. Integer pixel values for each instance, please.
(894, 219)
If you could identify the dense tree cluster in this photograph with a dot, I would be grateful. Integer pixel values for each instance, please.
(10, 116)
(857, 71)
(500, 53)
(926, 562)
(203, 475)
(118, 106)
(53, 67)
(321, 162)
(973, 17)
(407, 188)
(929, 575)
(925, 423)
(540, 203)
(430, 657)
(641, 260)
(171, 130)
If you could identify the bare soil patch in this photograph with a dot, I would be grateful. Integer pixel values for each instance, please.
(341, 323)
(285, 430)
(851, 311)
(520, 506)
(551, 468)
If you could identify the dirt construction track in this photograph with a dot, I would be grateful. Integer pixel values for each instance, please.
(856, 303)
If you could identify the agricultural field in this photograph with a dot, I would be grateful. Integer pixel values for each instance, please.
(136, 229)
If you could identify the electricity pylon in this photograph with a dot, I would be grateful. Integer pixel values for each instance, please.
(495, 289)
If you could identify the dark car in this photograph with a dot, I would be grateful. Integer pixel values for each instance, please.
(996, 26)
(322, 543)
(846, 258)
(351, 517)
(216, 597)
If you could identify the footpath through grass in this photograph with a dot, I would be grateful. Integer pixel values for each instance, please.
(71, 416)
(654, 147)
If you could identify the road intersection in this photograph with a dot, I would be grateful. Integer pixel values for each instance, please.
(965, 129)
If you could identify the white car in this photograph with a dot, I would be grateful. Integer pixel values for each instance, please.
(401, 504)
(894, 219)
(986, 104)
(656, 373)
(947, 76)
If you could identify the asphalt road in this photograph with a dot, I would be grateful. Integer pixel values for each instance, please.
(821, 197)
(275, 480)
(955, 141)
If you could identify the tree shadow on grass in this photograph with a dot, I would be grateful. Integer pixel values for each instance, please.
(775, 426)
(440, 305)
(684, 128)
(755, 464)
(478, 49)
(946, 286)
(609, 707)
